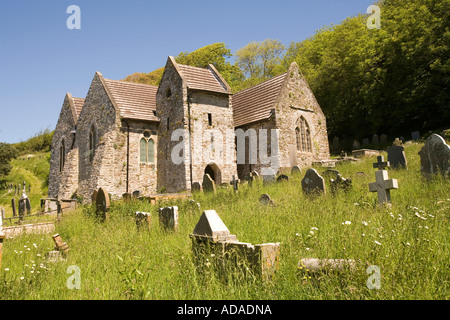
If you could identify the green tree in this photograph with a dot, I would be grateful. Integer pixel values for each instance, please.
(7, 152)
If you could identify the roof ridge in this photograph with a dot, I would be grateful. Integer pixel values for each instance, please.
(132, 83)
(260, 84)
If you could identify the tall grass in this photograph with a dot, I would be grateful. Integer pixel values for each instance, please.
(409, 242)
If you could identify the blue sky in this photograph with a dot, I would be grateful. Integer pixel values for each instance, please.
(41, 59)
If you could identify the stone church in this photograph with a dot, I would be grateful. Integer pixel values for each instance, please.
(126, 136)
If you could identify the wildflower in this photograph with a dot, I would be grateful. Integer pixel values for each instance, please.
(314, 228)
(307, 249)
(311, 232)
(408, 244)
(347, 223)
(6, 269)
(38, 255)
(213, 255)
(356, 204)
(365, 223)
(377, 243)
(21, 278)
(363, 235)
(34, 244)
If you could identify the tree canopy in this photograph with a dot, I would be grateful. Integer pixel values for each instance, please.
(7, 152)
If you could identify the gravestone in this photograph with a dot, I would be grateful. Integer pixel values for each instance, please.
(102, 205)
(330, 173)
(282, 178)
(2, 236)
(24, 205)
(313, 183)
(13, 205)
(397, 142)
(60, 245)
(293, 161)
(296, 170)
(235, 183)
(208, 184)
(435, 156)
(196, 187)
(383, 138)
(340, 183)
(94, 196)
(265, 199)
(375, 139)
(383, 184)
(137, 194)
(126, 196)
(397, 157)
(269, 175)
(356, 145)
(143, 221)
(365, 141)
(415, 135)
(168, 218)
(255, 175)
(3, 215)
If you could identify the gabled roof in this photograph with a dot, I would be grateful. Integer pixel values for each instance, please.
(203, 79)
(255, 103)
(134, 100)
(78, 103)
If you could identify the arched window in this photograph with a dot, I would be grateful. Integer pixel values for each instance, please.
(147, 149)
(303, 136)
(92, 139)
(62, 156)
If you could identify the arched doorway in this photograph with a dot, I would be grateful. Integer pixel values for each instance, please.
(214, 172)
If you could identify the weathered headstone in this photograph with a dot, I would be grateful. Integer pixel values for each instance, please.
(356, 145)
(296, 170)
(269, 175)
(313, 183)
(126, 196)
(330, 173)
(143, 221)
(326, 264)
(94, 196)
(381, 164)
(168, 218)
(340, 183)
(208, 184)
(60, 245)
(212, 240)
(415, 135)
(102, 205)
(2, 211)
(196, 187)
(265, 199)
(375, 139)
(397, 157)
(435, 156)
(255, 175)
(137, 194)
(383, 184)
(383, 138)
(282, 178)
(13, 205)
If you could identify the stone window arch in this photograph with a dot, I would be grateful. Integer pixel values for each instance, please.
(303, 135)
(62, 156)
(147, 148)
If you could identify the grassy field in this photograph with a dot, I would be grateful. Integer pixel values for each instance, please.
(408, 242)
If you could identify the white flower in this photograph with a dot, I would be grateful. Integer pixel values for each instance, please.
(408, 244)
(377, 243)
(311, 232)
(6, 269)
(314, 228)
(347, 223)
(21, 278)
(365, 223)
(363, 235)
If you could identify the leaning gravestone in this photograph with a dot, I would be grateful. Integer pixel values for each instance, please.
(168, 218)
(102, 205)
(265, 199)
(296, 170)
(313, 182)
(435, 156)
(330, 173)
(143, 220)
(383, 184)
(397, 157)
(282, 178)
(340, 183)
(208, 184)
(269, 175)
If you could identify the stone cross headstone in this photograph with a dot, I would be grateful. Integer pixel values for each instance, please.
(208, 184)
(435, 156)
(196, 187)
(296, 170)
(265, 199)
(269, 175)
(143, 220)
(381, 164)
(383, 187)
(102, 205)
(168, 218)
(313, 182)
(235, 184)
(397, 157)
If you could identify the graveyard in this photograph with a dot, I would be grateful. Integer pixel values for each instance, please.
(328, 240)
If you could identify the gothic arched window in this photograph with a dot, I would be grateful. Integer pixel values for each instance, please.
(147, 149)
(303, 135)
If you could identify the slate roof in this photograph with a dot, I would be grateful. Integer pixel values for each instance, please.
(202, 79)
(134, 100)
(255, 103)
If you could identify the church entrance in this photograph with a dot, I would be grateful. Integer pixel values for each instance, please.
(214, 172)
